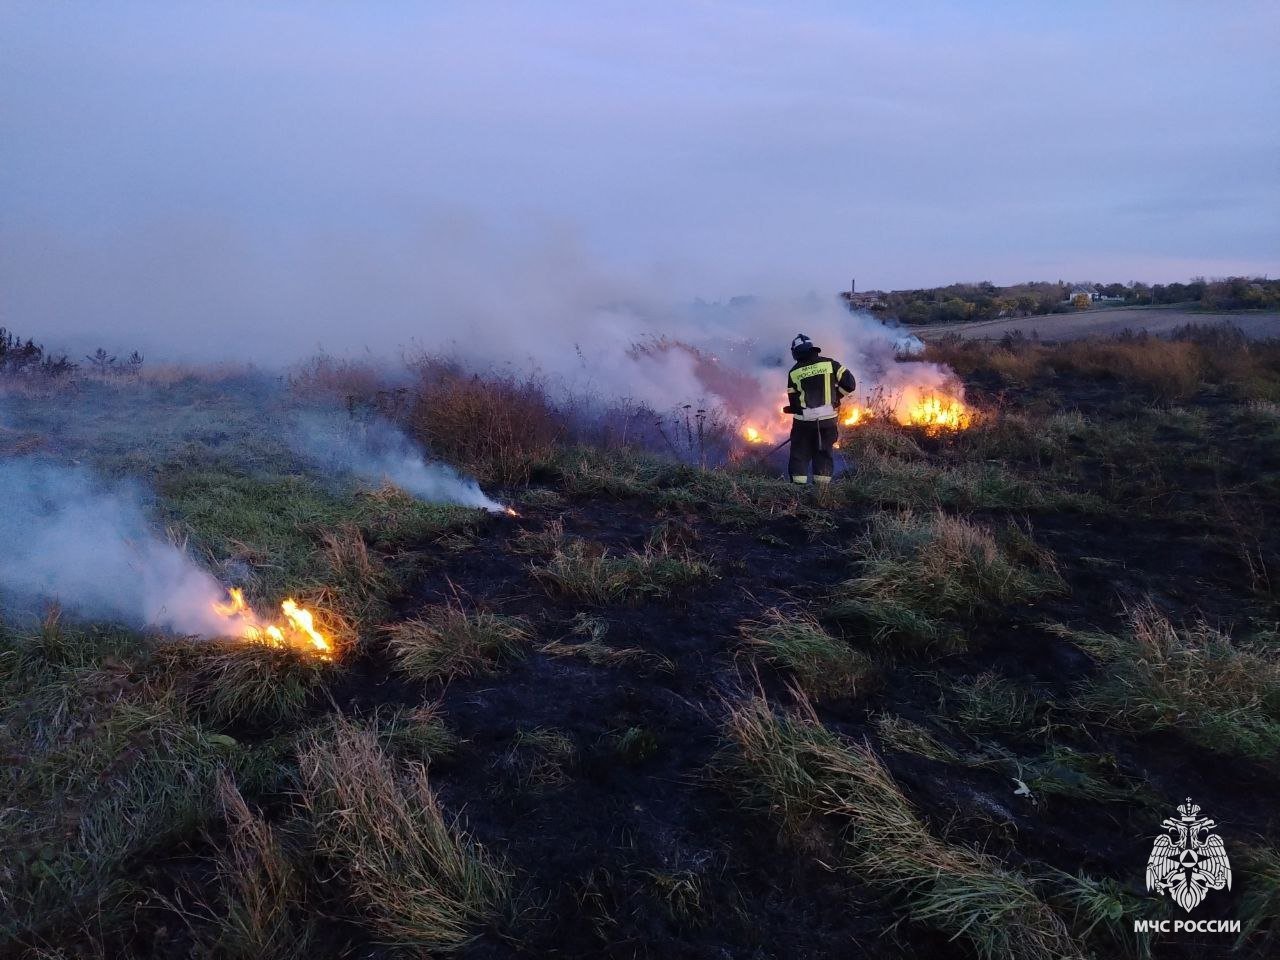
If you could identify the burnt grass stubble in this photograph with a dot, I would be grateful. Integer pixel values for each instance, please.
(592, 852)
(587, 849)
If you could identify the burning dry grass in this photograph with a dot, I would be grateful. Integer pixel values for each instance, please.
(493, 428)
(794, 768)
(923, 575)
(446, 641)
(823, 666)
(1222, 694)
(415, 875)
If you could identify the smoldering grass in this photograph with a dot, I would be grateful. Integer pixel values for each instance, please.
(447, 641)
(793, 768)
(414, 874)
(822, 665)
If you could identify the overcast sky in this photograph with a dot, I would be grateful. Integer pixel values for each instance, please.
(171, 165)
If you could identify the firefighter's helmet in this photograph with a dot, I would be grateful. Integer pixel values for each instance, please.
(802, 347)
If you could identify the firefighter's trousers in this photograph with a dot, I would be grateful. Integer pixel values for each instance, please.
(812, 443)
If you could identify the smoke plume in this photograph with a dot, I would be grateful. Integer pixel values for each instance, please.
(87, 545)
(378, 452)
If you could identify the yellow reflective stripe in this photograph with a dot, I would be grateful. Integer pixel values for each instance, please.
(839, 375)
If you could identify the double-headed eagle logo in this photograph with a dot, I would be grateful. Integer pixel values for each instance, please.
(1189, 860)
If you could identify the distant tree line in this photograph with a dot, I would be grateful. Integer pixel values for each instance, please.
(20, 357)
(986, 301)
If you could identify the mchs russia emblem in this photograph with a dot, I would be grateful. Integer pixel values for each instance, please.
(1188, 860)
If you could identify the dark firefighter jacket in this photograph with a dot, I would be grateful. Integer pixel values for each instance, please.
(815, 387)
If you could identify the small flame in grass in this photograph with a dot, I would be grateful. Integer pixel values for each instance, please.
(510, 511)
(856, 414)
(297, 631)
(752, 435)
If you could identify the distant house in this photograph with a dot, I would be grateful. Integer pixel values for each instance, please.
(867, 300)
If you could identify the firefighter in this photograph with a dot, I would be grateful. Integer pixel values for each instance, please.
(815, 387)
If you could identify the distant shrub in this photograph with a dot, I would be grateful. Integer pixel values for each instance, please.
(335, 380)
(29, 358)
(496, 428)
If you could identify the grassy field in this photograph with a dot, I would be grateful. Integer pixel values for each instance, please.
(937, 709)
(1103, 321)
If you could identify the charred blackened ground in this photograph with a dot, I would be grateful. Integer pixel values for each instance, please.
(939, 708)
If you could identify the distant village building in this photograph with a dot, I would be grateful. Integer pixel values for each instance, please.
(1093, 295)
(868, 300)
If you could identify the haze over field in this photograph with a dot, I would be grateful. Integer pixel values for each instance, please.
(207, 180)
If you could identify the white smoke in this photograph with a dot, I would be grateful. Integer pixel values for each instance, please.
(70, 538)
(377, 451)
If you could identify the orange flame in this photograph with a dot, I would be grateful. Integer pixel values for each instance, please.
(856, 414)
(752, 435)
(939, 413)
(296, 632)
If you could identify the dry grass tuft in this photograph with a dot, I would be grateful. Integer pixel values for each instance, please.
(587, 572)
(235, 681)
(264, 911)
(793, 767)
(823, 666)
(921, 574)
(1195, 679)
(415, 875)
(447, 641)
